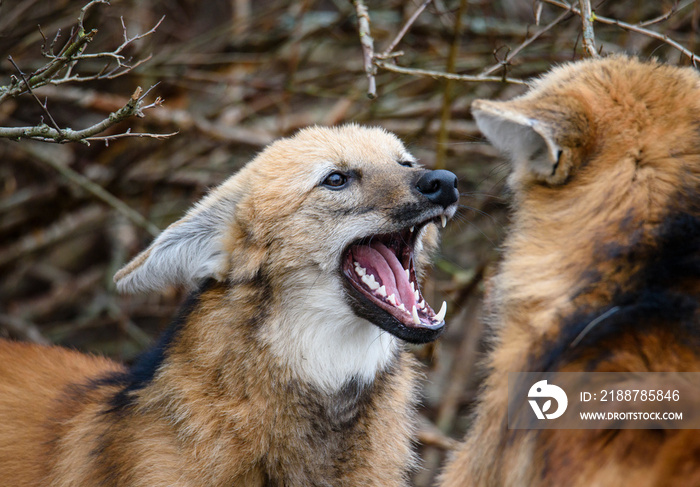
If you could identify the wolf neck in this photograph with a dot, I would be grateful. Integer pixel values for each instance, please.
(320, 341)
(303, 335)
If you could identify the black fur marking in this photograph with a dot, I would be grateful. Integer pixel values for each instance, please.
(661, 292)
(147, 365)
(339, 413)
(338, 212)
(411, 212)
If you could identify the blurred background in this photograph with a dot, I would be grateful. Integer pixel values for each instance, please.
(235, 75)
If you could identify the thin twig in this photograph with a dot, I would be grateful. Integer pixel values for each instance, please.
(388, 52)
(587, 19)
(524, 44)
(638, 28)
(42, 105)
(443, 75)
(45, 133)
(84, 10)
(367, 46)
(72, 53)
(670, 13)
(45, 74)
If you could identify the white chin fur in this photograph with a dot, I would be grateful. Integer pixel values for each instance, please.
(322, 342)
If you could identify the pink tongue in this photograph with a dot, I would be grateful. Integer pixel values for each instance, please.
(388, 271)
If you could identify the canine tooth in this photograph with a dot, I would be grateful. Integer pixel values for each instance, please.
(370, 281)
(444, 221)
(416, 294)
(392, 299)
(441, 314)
(408, 273)
(359, 270)
(416, 319)
(412, 228)
(381, 291)
(402, 307)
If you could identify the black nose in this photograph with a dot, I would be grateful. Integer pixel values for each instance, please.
(440, 187)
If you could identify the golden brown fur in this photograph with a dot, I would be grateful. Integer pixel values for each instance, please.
(267, 377)
(606, 188)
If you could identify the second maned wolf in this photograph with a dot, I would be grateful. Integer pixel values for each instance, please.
(285, 367)
(601, 269)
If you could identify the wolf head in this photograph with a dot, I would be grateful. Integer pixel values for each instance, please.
(347, 207)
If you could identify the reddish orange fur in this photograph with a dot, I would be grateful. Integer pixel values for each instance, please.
(584, 232)
(30, 376)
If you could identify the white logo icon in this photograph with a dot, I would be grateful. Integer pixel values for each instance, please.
(542, 389)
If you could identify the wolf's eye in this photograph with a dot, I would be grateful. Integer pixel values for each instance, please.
(406, 163)
(335, 180)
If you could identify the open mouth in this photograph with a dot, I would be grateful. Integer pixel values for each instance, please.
(380, 270)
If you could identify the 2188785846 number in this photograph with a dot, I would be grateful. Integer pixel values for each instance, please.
(645, 395)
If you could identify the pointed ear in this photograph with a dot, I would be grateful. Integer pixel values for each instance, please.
(189, 250)
(529, 142)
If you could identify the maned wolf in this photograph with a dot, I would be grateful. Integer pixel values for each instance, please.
(286, 366)
(601, 268)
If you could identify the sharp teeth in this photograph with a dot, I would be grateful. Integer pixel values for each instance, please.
(402, 307)
(381, 291)
(392, 299)
(441, 314)
(413, 287)
(416, 294)
(412, 228)
(359, 270)
(444, 221)
(408, 273)
(370, 281)
(421, 305)
(416, 319)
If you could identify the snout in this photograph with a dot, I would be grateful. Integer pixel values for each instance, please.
(439, 187)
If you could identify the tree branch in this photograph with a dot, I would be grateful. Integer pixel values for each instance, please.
(367, 46)
(587, 19)
(443, 75)
(388, 52)
(638, 28)
(44, 133)
(66, 59)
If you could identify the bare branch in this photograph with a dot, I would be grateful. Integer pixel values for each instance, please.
(128, 41)
(388, 51)
(72, 53)
(638, 28)
(367, 46)
(44, 133)
(29, 88)
(59, 70)
(443, 75)
(671, 12)
(45, 74)
(372, 60)
(84, 11)
(524, 44)
(587, 18)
